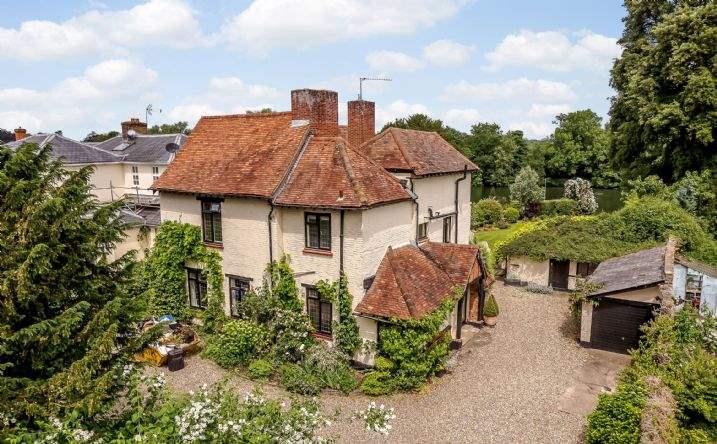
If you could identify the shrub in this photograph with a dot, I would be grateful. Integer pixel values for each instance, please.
(376, 418)
(346, 331)
(617, 416)
(260, 369)
(486, 212)
(540, 289)
(527, 189)
(296, 379)
(558, 207)
(511, 215)
(238, 342)
(331, 366)
(491, 307)
(382, 364)
(581, 191)
(291, 334)
(377, 383)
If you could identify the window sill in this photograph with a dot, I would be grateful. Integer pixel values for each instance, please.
(323, 336)
(217, 245)
(317, 251)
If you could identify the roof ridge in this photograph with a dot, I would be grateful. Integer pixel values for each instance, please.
(432, 258)
(409, 160)
(269, 114)
(389, 256)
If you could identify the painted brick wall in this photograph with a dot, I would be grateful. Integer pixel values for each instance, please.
(438, 192)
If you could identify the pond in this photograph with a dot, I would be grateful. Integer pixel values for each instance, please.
(607, 199)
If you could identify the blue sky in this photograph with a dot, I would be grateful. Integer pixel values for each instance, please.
(87, 65)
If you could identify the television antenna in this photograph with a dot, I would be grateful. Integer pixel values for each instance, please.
(363, 79)
(148, 112)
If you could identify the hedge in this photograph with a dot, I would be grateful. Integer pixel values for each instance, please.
(558, 207)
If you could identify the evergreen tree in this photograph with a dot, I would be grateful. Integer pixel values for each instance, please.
(63, 304)
(664, 115)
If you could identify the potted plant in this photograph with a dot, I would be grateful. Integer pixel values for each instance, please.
(490, 311)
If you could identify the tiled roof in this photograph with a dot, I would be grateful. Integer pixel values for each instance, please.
(640, 269)
(144, 148)
(70, 151)
(413, 281)
(235, 155)
(419, 152)
(329, 174)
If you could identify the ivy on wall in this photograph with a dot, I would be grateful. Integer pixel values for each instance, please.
(163, 274)
(345, 331)
(281, 283)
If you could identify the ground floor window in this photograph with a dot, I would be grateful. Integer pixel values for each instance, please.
(319, 311)
(238, 288)
(197, 288)
(447, 228)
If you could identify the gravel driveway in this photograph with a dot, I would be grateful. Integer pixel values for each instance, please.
(505, 386)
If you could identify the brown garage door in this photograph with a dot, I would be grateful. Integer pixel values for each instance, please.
(616, 324)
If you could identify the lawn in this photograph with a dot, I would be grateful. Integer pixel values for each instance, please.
(493, 235)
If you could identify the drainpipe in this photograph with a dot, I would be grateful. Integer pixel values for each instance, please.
(415, 200)
(268, 223)
(465, 174)
(341, 244)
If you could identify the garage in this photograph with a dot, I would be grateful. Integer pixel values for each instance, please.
(616, 324)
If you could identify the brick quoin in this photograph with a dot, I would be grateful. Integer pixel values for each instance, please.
(361, 121)
(320, 107)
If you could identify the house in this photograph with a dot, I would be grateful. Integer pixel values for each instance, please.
(124, 167)
(634, 286)
(551, 273)
(288, 183)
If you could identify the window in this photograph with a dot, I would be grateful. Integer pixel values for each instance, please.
(318, 231)
(693, 289)
(212, 221)
(319, 311)
(238, 288)
(135, 176)
(585, 269)
(197, 286)
(155, 173)
(447, 226)
(423, 230)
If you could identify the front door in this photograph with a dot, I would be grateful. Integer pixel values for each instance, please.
(559, 273)
(459, 316)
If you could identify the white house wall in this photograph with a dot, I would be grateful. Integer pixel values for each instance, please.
(103, 178)
(524, 270)
(438, 193)
(708, 296)
(146, 178)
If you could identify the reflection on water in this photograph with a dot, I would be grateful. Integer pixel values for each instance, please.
(608, 200)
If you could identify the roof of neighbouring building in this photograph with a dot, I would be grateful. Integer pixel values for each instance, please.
(419, 152)
(270, 155)
(637, 270)
(143, 148)
(697, 266)
(70, 151)
(413, 281)
(149, 216)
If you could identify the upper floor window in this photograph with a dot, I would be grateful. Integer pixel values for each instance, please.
(423, 230)
(212, 221)
(318, 230)
(238, 288)
(585, 269)
(135, 175)
(447, 228)
(319, 311)
(197, 288)
(155, 173)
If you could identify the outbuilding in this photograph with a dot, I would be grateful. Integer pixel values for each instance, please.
(550, 273)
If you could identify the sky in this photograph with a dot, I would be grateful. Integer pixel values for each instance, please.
(88, 65)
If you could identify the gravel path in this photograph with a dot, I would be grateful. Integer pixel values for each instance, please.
(505, 387)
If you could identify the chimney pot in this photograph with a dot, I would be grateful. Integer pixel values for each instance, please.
(361, 121)
(20, 133)
(135, 124)
(320, 107)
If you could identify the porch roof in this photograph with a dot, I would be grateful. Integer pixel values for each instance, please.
(413, 281)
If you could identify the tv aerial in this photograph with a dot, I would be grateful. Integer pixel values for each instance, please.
(363, 79)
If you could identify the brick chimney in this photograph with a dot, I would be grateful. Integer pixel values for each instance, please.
(362, 121)
(20, 133)
(133, 124)
(320, 107)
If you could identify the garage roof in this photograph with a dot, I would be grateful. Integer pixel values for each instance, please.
(636, 270)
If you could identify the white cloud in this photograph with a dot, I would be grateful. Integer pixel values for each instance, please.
(554, 51)
(392, 61)
(304, 23)
(397, 109)
(533, 130)
(539, 110)
(462, 118)
(227, 95)
(81, 100)
(447, 54)
(156, 22)
(516, 89)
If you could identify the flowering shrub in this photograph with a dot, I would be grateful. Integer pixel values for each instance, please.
(295, 378)
(527, 190)
(376, 418)
(238, 342)
(331, 366)
(581, 191)
(291, 334)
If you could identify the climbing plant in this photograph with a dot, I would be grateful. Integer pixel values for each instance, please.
(345, 331)
(163, 274)
(279, 279)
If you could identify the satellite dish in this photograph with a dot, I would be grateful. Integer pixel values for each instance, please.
(131, 134)
(172, 147)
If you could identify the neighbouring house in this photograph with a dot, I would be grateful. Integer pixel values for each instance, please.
(554, 273)
(124, 167)
(288, 183)
(633, 287)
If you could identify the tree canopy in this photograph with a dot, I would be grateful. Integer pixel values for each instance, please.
(100, 137)
(180, 127)
(663, 119)
(6, 136)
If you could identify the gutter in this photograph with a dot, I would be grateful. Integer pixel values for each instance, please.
(465, 174)
(414, 196)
